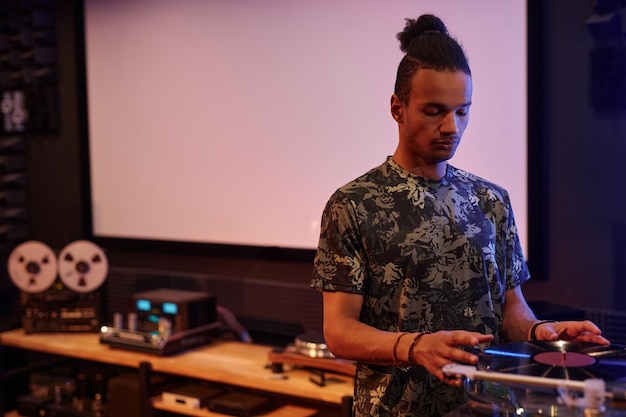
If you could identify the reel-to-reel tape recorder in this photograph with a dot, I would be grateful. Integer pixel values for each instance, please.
(59, 294)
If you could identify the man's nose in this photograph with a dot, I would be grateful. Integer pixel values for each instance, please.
(450, 124)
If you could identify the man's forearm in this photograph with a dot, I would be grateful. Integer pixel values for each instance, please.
(518, 317)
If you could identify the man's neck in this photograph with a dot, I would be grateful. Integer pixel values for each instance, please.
(431, 171)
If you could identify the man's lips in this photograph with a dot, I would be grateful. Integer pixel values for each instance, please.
(445, 143)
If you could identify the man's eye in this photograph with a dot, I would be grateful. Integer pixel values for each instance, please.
(431, 112)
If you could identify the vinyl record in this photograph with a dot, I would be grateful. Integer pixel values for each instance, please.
(83, 266)
(32, 266)
(560, 359)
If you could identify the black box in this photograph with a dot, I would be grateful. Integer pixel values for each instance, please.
(184, 309)
(125, 394)
(240, 404)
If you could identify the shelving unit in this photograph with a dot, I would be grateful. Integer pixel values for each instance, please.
(285, 411)
(232, 364)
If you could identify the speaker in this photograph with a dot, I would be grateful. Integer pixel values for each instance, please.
(125, 395)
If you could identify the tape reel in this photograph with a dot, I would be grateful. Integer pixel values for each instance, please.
(32, 266)
(81, 266)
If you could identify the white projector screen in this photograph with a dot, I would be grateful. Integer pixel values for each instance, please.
(232, 122)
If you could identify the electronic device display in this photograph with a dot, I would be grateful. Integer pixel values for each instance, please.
(164, 321)
(183, 309)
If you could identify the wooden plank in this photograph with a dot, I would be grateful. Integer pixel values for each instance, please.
(227, 362)
(284, 411)
(339, 366)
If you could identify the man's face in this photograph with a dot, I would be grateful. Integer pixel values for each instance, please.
(432, 122)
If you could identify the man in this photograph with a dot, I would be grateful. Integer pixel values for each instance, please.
(419, 260)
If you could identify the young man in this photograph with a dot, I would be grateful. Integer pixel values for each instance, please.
(418, 259)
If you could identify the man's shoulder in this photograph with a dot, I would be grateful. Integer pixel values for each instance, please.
(370, 179)
(474, 180)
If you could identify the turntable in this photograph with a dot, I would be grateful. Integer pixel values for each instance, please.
(546, 379)
(309, 351)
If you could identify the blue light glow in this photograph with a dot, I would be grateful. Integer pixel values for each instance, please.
(511, 354)
(170, 308)
(143, 305)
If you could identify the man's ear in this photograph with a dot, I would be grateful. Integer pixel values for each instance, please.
(397, 108)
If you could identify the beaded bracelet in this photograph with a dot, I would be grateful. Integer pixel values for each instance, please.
(533, 330)
(416, 339)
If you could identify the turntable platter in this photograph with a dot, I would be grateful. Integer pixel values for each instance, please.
(560, 359)
(545, 379)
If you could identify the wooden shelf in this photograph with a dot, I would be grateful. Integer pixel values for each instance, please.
(285, 411)
(232, 363)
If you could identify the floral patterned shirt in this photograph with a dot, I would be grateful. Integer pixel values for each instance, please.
(426, 255)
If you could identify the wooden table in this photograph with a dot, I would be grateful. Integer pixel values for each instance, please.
(232, 363)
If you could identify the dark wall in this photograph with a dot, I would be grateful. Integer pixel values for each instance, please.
(55, 162)
(585, 170)
(585, 173)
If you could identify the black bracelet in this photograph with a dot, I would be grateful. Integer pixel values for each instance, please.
(533, 330)
(416, 339)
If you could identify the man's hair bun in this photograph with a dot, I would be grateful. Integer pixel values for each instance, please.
(425, 24)
(426, 43)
